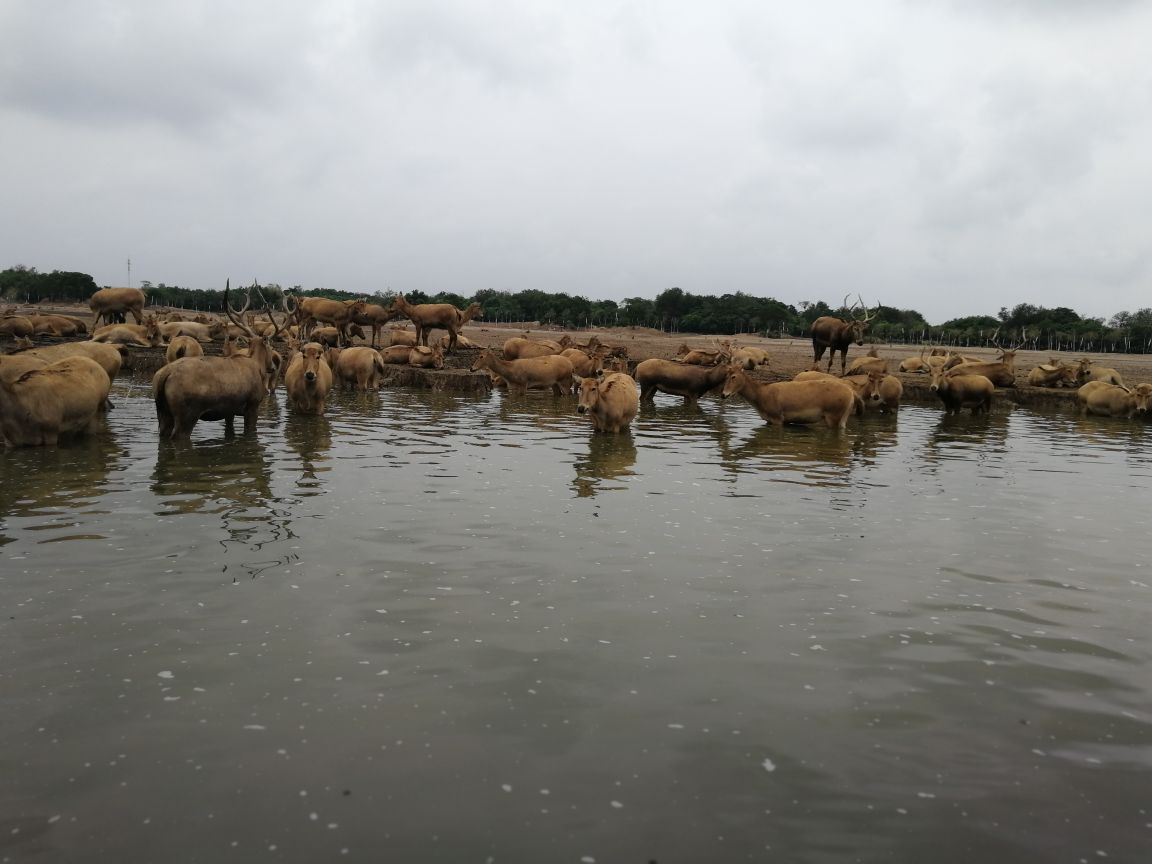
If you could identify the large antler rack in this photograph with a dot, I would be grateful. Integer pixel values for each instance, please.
(277, 329)
(995, 340)
(859, 304)
(235, 317)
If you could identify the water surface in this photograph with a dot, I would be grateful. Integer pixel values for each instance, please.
(448, 628)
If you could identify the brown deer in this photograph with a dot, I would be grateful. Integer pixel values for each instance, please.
(837, 334)
(216, 388)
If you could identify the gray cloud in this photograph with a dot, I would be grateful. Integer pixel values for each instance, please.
(945, 159)
(182, 65)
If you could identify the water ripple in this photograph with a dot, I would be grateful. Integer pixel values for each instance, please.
(475, 605)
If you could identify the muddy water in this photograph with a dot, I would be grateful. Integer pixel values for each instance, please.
(441, 628)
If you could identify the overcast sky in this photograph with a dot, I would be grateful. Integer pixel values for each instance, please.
(952, 156)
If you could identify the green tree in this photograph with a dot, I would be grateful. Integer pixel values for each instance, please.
(639, 312)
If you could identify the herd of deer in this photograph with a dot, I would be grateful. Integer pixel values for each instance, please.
(62, 389)
(813, 396)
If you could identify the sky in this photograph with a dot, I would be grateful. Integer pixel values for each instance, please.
(948, 156)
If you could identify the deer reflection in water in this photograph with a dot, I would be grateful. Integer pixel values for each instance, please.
(792, 454)
(232, 480)
(57, 481)
(609, 458)
(310, 437)
(813, 457)
(981, 439)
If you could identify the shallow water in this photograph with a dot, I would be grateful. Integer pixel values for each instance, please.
(448, 628)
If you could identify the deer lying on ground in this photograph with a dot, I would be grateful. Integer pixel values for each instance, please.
(590, 346)
(749, 357)
(697, 357)
(520, 348)
(939, 361)
(1002, 372)
(198, 331)
(1054, 373)
(1087, 371)
(16, 326)
(426, 358)
(57, 325)
(914, 364)
(182, 346)
(398, 336)
(396, 355)
(871, 362)
(330, 337)
(146, 335)
(461, 342)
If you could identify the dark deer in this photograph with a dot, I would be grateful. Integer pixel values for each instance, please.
(837, 333)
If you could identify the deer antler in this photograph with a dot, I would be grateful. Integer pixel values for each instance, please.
(235, 317)
(277, 329)
(864, 306)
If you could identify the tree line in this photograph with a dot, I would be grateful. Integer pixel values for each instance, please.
(673, 310)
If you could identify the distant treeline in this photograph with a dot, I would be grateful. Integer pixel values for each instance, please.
(673, 310)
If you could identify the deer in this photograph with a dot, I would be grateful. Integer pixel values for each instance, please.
(215, 388)
(428, 316)
(109, 302)
(829, 332)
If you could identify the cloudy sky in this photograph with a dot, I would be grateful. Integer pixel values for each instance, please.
(951, 156)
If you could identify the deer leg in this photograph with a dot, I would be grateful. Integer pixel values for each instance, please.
(251, 414)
